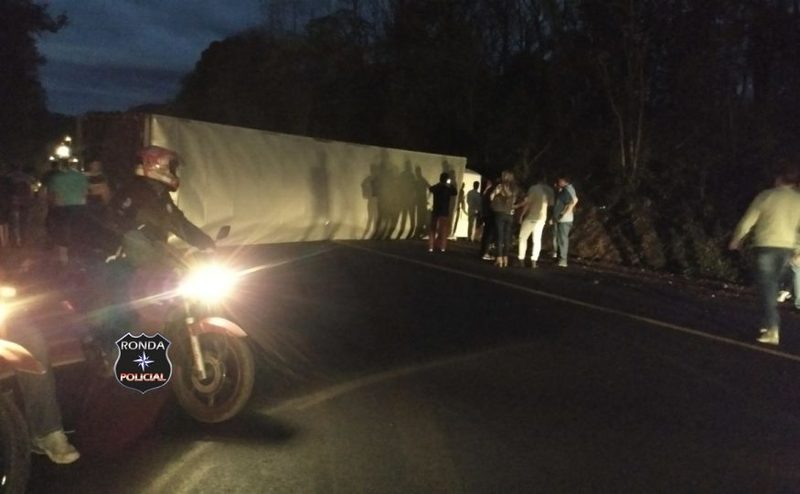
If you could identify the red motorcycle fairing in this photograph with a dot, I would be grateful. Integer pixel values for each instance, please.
(218, 325)
(19, 358)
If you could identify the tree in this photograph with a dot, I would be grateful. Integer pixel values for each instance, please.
(24, 116)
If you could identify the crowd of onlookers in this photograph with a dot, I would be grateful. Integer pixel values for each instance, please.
(73, 202)
(500, 209)
(501, 212)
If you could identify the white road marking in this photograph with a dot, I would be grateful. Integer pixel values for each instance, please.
(599, 308)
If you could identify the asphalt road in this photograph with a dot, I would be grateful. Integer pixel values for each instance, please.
(387, 369)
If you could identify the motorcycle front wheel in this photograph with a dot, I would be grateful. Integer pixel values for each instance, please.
(230, 374)
(14, 448)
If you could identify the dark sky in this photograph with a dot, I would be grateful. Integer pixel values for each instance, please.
(119, 53)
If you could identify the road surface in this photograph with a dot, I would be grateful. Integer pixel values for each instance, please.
(387, 369)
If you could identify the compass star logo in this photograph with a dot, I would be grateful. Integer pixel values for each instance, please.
(143, 361)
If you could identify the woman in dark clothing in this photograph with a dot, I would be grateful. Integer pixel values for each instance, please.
(503, 199)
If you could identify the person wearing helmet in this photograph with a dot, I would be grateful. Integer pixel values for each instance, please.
(143, 216)
(145, 212)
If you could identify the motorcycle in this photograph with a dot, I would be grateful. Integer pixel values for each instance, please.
(213, 364)
(14, 438)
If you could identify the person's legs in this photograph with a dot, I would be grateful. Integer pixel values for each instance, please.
(509, 232)
(500, 234)
(525, 230)
(443, 228)
(432, 229)
(489, 231)
(38, 391)
(538, 228)
(562, 232)
(39, 396)
(796, 276)
(503, 223)
(555, 240)
(470, 226)
(770, 263)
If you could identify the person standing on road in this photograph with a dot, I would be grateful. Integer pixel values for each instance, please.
(473, 210)
(563, 214)
(440, 216)
(67, 193)
(774, 218)
(503, 198)
(532, 220)
(487, 219)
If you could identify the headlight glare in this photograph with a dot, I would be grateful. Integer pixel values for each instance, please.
(211, 283)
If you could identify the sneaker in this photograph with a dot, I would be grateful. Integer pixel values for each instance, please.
(562, 263)
(56, 446)
(487, 257)
(770, 337)
(442, 250)
(430, 250)
(783, 296)
(555, 255)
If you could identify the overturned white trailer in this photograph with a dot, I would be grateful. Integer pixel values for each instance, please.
(273, 187)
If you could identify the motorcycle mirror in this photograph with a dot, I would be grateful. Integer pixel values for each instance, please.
(224, 232)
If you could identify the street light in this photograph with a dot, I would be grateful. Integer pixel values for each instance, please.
(63, 151)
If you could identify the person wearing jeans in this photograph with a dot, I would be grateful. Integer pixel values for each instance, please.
(774, 219)
(796, 275)
(38, 391)
(563, 214)
(503, 198)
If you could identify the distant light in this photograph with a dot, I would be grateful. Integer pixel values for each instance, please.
(68, 139)
(63, 151)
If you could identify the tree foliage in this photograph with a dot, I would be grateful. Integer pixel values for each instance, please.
(671, 107)
(24, 118)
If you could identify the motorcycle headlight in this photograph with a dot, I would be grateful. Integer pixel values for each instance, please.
(210, 283)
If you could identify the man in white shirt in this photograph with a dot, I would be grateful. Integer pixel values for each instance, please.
(774, 218)
(534, 216)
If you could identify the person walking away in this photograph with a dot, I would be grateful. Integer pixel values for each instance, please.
(440, 216)
(563, 215)
(487, 220)
(47, 177)
(503, 198)
(473, 210)
(774, 219)
(534, 216)
(67, 198)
